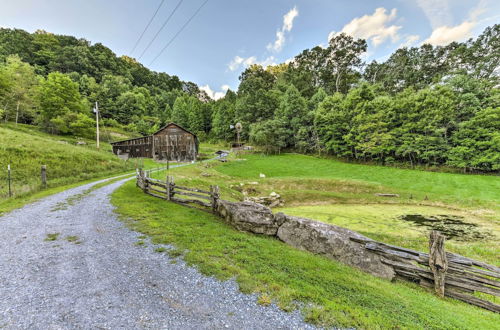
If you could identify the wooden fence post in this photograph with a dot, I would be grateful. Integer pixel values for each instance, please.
(43, 173)
(214, 194)
(9, 179)
(172, 187)
(143, 178)
(438, 261)
(168, 187)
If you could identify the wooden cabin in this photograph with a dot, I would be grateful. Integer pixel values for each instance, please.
(171, 142)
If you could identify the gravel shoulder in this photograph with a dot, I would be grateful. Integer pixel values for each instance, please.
(94, 275)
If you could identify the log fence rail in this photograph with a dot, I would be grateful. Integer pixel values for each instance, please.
(448, 274)
(191, 197)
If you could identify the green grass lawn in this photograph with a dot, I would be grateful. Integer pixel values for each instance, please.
(352, 203)
(466, 190)
(25, 148)
(328, 293)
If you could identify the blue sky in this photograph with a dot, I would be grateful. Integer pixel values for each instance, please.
(227, 35)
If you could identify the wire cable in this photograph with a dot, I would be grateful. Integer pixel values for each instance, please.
(164, 24)
(179, 32)
(147, 26)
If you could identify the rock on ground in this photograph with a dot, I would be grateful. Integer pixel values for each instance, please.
(331, 241)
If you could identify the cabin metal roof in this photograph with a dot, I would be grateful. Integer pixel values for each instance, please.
(172, 123)
(158, 131)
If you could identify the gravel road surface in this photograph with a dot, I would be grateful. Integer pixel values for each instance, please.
(67, 262)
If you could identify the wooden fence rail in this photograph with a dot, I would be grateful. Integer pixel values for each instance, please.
(168, 190)
(449, 274)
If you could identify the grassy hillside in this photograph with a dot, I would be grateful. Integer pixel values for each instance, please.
(466, 190)
(25, 148)
(328, 293)
(340, 193)
(344, 194)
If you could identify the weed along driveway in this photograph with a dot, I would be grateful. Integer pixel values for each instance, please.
(66, 261)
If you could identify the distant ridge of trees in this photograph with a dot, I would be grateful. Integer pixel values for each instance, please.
(424, 105)
(54, 80)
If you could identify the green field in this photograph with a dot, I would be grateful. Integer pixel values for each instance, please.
(464, 190)
(344, 194)
(26, 149)
(327, 292)
(351, 202)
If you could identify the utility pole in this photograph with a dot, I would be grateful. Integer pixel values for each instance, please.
(96, 111)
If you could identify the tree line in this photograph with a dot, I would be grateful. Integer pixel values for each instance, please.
(424, 105)
(53, 81)
(431, 106)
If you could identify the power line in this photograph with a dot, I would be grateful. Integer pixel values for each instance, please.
(178, 32)
(147, 26)
(165, 23)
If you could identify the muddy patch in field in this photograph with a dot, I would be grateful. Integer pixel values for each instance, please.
(453, 227)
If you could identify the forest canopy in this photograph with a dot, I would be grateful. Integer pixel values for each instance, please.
(426, 105)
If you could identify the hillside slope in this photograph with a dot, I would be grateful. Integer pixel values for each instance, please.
(26, 149)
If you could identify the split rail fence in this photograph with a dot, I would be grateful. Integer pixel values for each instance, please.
(449, 274)
(191, 197)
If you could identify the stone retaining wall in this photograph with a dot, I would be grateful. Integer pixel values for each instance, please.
(334, 242)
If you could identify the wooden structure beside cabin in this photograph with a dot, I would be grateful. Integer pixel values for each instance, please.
(171, 142)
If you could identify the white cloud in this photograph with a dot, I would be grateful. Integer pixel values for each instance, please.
(235, 63)
(437, 12)
(212, 94)
(372, 27)
(271, 60)
(445, 34)
(241, 62)
(410, 41)
(288, 19)
(225, 87)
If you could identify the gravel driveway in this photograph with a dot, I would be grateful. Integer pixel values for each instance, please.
(90, 274)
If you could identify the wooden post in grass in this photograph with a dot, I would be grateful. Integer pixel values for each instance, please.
(145, 181)
(141, 179)
(214, 194)
(43, 174)
(172, 187)
(9, 179)
(438, 261)
(168, 187)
